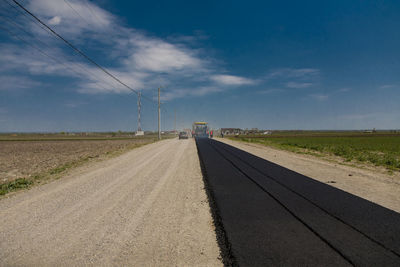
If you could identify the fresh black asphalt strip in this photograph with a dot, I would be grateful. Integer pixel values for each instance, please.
(272, 216)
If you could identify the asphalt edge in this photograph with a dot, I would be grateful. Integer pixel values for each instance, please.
(224, 245)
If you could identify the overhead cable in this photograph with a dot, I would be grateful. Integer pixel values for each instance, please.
(78, 50)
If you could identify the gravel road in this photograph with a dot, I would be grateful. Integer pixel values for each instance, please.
(146, 207)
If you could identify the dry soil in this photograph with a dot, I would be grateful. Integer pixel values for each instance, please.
(22, 159)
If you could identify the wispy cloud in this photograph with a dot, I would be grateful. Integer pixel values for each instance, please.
(137, 58)
(319, 97)
(294, 73)
(10, 82)
(199, 91)
(387, 86)
(291, 78)
(74, 104)
(270, 91)
(55, 20)
(231, 80)
(298, 85)
(343, 90)
(73, 17)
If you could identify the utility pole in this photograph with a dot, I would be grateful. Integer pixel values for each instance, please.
(139, 128)
(139, 105)
(159, 115)
(175, 121)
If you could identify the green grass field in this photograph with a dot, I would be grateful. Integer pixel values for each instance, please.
(377, 149)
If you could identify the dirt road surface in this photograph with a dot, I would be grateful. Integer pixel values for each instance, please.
(147, 207)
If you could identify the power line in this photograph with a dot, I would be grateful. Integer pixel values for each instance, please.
(43, 44)
(92, 12)
(75, 11)
(45, 54)
(51, 57)
(28, 17)
(47, 29)
(73, 47)
(53, 33)
(88, 7)
(77, 50)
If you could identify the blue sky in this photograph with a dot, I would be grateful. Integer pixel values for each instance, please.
(265, 64)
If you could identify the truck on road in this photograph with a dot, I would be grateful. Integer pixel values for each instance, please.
(200, 129)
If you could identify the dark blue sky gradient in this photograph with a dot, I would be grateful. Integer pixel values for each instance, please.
(351, 46)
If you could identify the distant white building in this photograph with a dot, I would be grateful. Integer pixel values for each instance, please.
(231, 131)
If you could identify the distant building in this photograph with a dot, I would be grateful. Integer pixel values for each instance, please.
(370, 131)
(231, 131)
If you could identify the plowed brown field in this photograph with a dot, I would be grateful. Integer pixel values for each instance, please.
(24, 159)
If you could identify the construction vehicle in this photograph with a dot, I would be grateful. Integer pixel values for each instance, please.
(200, 130)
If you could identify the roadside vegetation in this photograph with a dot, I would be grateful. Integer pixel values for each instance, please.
(380, 149)
(30, 159)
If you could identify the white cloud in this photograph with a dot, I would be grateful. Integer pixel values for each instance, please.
(10, 82)
(94, 86)
(159, 56)
(141, 61)
(55, 20)
(231, 80)
(193, 92)
(77, 16)
(298, 85)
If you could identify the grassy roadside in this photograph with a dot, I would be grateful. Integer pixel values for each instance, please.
(62, 169)
(381, 151)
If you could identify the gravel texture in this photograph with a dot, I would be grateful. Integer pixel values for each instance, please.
(146, 207)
